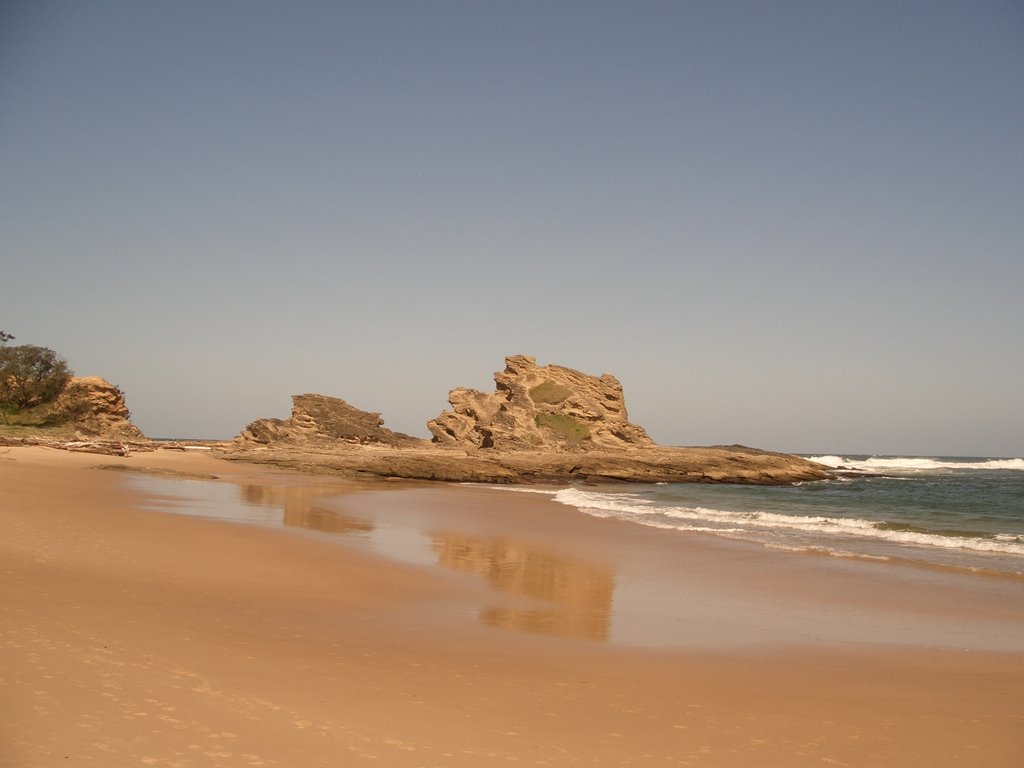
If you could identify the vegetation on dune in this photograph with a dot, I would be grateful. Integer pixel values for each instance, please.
(31, 376)
(30, 422)
(40, 397)
(31, 381)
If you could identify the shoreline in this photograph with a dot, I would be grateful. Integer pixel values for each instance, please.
(161, 639)
(449, 526)
(676, 590)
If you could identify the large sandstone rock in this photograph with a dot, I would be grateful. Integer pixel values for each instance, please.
(542, 425)
(322, 419)
(540, 408)
(97, 408)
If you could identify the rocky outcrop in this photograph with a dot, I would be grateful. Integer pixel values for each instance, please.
(540, 408)
(318, 419)
(541, 425)
(97, 408)
(638, 465)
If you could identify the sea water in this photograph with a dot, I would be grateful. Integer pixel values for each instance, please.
(954, 512)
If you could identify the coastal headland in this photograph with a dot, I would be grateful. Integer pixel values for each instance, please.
(542, 424)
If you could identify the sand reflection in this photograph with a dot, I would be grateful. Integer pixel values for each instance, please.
(298, 506)
(579, 594)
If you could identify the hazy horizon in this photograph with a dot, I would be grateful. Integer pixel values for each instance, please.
(794, 226)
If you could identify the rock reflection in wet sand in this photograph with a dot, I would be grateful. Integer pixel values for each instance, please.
(297, 504)
(570, 598)
(580, 593)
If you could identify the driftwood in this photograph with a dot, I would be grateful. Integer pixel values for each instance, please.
(105, 448)
(100, 446)
(83, 443)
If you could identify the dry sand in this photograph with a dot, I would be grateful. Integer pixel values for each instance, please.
(133, 637)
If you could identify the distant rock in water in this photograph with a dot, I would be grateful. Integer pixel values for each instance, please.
(322, 419)
(540, 408)
(97, 408)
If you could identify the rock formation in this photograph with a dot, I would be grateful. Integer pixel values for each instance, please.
(542, 425)
(540, 408)
(97, 408)
(319, 419)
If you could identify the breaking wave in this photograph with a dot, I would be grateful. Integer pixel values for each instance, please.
(772, 526)
(916, 464)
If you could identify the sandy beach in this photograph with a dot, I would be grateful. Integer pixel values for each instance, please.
(526, 634)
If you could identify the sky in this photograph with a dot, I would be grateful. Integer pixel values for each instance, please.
(793, 225)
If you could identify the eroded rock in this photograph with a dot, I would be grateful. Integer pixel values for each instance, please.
(545, 424)
(97, 408)
(322, 419)
(540, 408)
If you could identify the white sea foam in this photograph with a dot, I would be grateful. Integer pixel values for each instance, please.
(757, 524)
(914, 463)
(519, 489)
(828, 551)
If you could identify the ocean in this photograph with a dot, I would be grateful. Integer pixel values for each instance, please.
(944, 511)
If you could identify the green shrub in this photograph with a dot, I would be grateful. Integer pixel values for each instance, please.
(565, 427)
(549, 392)
(30, 376)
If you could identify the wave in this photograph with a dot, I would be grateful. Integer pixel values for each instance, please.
(516, 488)
(750, 524)
(915, 463)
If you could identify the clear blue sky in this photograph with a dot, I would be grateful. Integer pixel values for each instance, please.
(796, 225)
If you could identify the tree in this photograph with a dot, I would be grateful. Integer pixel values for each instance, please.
(31, 376)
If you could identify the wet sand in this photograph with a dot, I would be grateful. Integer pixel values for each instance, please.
(136, 637)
